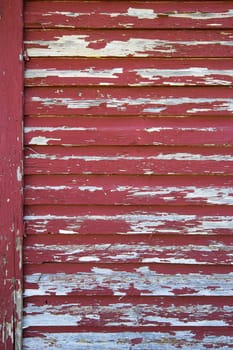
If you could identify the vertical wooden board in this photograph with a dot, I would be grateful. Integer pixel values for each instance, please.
(11, 79)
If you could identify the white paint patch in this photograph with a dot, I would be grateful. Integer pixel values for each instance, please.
(144, 280)
(151, 73)
(193, 157)
(85, 73)
(90, 188)
(156, 340)
(54, 188)
(45, 316)
(141, 13)
(216, 104)
(66, 14)
(66, 232)
(19, 174)
(41, 140)
(211, 195)
(85, 157)
(203, 15)
(79, 46)
(88, 259)
(59, 128)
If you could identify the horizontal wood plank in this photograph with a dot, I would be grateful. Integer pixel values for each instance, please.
(126, 220)
(128, 160)
(112, 249)
(125, 190)
(130, 43)
(201, 339)
(128, 312)
(127, 280)
(127, 72)
(128, 131)
(165, 101)
(130, 14)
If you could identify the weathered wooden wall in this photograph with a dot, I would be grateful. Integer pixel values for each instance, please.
(128, 175)
(11, 156)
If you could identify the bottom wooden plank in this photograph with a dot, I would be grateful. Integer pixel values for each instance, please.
(160, 340)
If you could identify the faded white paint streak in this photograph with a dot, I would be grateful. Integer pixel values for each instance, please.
(216, 104)
(53, 129)
(144, 281)
(41, 140)
(85, 73)
(156, 340)
(79, 46)
(141, 223)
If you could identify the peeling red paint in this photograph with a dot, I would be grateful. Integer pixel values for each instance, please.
(128, 175)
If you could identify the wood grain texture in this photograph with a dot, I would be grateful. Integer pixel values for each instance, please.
(128, 175)
(93, 279)
(128, 131)
(128, 72)
(11, 228)
(147, 160)
(129, 312)
(157, 340)
(113, 249)
(107, 101)
(128, 190)
(130, 43)
(124, 220)
(128, 14)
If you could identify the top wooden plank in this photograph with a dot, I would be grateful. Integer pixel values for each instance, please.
(130, 14)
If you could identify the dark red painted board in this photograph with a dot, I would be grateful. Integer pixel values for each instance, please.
(11, 170)
(128, 190)
(128, 14)
(125, 220)
(128, 160)
(166, 101)
(124, 249)
(127, 72)
(130, 43)
(128, 131)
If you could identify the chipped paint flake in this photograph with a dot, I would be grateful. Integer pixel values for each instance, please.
(90, 188)
(141, 13)
(41, 140)
(203, 15)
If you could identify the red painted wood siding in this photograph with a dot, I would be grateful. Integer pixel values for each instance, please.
(11, 149)
(128, 175)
